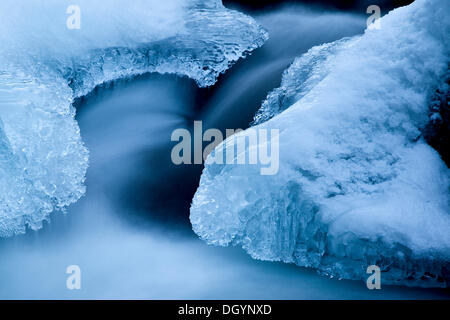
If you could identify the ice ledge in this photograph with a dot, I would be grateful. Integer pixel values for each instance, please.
(44, 66)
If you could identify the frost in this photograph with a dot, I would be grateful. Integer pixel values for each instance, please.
(357, 184)
(44, 66)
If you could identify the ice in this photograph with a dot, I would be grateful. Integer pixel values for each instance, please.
(44, 66)
(357, 184)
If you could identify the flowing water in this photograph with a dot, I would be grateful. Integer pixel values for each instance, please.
(130, 234)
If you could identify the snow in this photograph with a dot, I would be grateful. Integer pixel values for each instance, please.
(44, 66)
(357, 184)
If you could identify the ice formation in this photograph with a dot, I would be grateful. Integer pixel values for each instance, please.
(44, 66)
(357, 184)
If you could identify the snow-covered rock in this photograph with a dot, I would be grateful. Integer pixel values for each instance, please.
(357, 183)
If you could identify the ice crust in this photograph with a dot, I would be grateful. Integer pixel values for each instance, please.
(357, 184)
(44, 66)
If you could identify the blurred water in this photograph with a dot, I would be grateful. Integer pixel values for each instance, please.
(130, 234)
